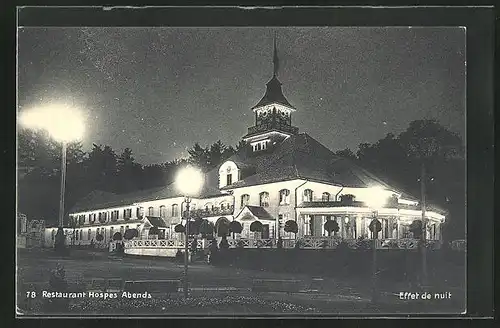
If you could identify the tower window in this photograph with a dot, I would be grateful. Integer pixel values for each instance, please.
(229, 179)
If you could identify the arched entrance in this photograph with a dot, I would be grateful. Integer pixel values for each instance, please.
(222, 227)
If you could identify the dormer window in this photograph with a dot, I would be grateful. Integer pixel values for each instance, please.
(229, 173)
(308, 195)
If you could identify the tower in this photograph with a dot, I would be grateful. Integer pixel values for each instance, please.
(273, 114)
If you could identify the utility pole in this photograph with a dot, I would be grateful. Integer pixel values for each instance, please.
(424, 226)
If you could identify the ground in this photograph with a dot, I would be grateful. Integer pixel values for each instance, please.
(234, 294)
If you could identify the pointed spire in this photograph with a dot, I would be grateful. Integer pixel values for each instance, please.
(275, 57)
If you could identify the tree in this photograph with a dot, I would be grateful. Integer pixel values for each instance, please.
(235, 227)
(117, 236)
(199, 156)
(179, 228)
(331, 226)
(129, 173)
(256, 226)
(346, 153)
(130, 234)
(101, 166)
(291, 226)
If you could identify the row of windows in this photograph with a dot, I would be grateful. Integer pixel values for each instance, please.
(102, 217)
(260, 145)
(223, 206)
(284, 197)
(80, 235)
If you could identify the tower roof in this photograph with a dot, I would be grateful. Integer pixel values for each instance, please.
(274, 94)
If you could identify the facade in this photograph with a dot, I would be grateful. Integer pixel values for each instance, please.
(280, 175)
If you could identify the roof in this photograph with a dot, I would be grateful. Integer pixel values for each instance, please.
(273, 94)
(260, 212)
(100, 199)
(156, 221)
(302, 157)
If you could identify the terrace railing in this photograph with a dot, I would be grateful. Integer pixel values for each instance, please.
(303, 243)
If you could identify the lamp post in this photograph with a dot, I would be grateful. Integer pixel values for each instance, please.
(189, 182)
(376, 200)
(64, 124)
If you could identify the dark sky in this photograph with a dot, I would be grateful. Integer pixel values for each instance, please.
(160, 90)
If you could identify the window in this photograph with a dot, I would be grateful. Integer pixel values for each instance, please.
(151, 211)
(163, 211)
(89, 234)
(245, 199)
(111, 230)
(140, 212)
(114, 216)
(81, 234)
(229, 179)
(127, 213)
(122, 230)
(308, 195)
(325, 197)
(103, 216)
(53, 234)
(285, 197)
(264, 199)
(307, 225)
(175, 210)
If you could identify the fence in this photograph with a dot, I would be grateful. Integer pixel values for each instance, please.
(303, 243)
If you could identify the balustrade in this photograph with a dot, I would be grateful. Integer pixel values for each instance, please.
(304, 243)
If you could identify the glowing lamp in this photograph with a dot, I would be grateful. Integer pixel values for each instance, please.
(189, 181)
(62, 122)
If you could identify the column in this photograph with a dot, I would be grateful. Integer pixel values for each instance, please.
(359, 226)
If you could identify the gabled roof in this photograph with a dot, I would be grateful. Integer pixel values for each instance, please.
(273, 94)
(259, 212)
(156, 221)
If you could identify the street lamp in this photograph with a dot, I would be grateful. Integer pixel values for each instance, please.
(64, 124)
(376, 199)
(189, 182)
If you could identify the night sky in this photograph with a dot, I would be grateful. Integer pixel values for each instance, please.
(160, 90)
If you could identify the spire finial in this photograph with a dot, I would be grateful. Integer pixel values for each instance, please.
(275, 57)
